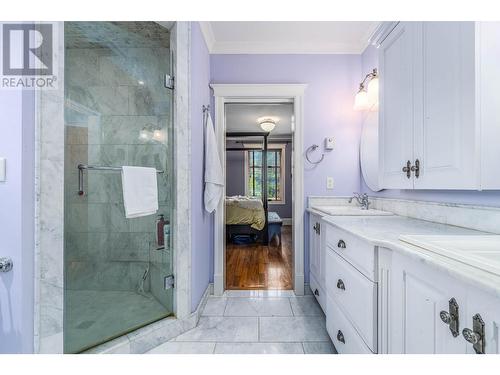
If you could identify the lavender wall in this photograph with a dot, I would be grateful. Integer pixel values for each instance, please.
(17, 221)
(369, 60)
(332, 81)
(202, 222)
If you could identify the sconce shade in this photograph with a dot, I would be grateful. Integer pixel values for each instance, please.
(361, 101)
(373, 92)
(367, 96)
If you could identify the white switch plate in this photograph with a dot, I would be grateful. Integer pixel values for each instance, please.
(329, 182)
(2, 170)
(329, 143)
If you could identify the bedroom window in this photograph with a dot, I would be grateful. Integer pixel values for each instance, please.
(275, 173)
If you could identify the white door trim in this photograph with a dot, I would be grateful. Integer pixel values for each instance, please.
(225, 93)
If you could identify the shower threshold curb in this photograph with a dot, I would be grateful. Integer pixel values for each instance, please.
(152, 335)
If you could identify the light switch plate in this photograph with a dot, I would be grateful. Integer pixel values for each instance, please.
(329, 182)
(2, 169)
(329, 143)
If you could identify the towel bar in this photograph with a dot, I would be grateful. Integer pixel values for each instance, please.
(81, 167)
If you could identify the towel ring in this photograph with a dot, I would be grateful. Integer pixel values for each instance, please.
(312, 148)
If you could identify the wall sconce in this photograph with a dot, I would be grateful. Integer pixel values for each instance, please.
(367, 95)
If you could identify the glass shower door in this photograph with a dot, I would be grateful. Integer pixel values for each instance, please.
(117, 112)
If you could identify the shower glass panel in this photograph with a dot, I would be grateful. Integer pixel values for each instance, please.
(117, 112)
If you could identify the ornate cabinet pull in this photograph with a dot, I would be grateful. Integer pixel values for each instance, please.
(407, 169)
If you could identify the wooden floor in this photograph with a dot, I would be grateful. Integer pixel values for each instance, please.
(260, 267)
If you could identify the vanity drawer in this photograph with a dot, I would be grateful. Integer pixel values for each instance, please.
(355, 294)
(318, 292)
(359, 253)
(343, 335)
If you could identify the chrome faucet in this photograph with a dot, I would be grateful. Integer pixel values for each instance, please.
(362, 200)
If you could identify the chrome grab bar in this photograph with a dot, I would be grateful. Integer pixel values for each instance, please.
(81, 167)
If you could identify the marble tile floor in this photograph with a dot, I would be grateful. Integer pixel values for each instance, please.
(255, 322)
(94, 316)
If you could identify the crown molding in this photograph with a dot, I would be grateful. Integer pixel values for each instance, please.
(268, 47)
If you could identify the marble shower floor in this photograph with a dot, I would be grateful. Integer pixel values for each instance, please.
(255, 322)
(94, 316)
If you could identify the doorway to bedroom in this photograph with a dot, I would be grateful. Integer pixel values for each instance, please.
(259, 190)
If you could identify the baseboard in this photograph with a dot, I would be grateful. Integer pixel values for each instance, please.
(307, 289)
(218, 285)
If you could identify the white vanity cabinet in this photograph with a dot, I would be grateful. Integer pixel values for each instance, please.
(351, 290)
(413, 299)
(316, 259)
(437, 80)
(488, 307)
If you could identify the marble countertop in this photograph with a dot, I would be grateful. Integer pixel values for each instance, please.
(384, 231)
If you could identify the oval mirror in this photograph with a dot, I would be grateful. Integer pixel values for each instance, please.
(368, 150)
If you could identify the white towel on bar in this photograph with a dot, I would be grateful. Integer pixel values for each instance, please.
(140, 191)
(214, 179)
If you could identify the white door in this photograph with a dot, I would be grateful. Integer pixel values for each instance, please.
(314, 253)
(444, 129)
(417, 296)
(396, 64)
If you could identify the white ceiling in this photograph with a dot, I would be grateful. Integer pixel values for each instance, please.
(287, 37)
(243, 117)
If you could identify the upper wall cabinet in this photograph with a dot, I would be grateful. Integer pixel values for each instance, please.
(437, 80)
(396, 64)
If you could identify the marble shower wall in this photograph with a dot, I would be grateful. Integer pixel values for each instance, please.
(111, 95)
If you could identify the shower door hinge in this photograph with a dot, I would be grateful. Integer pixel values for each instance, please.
(169, 81)
(169, 282)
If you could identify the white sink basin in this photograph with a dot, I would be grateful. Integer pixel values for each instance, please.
(349, 211)
(482, 252)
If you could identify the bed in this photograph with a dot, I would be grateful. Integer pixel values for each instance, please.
(246, 215)
(242, 210)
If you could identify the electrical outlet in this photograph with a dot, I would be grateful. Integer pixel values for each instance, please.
(329, 182)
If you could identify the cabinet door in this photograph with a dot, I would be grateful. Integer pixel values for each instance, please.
(445, 127)
(314, 254)
(488, 306)
(415, 296)
(489, 82)
(396, 64)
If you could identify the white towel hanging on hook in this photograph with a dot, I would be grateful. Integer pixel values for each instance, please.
(214, 178)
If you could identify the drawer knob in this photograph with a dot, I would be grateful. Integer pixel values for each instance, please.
(340, 336)
(340, 284)
(341, 244)
(5, 264)
(316, 293)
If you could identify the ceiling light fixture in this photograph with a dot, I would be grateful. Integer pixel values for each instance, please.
(267, 123)
(367, 98)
